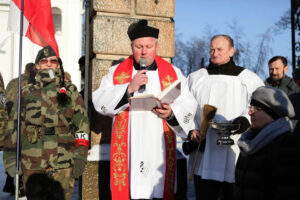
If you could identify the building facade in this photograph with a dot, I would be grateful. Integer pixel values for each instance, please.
(67, 18)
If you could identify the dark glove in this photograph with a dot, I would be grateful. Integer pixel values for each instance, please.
(12, 171)
(243, 122)
(79, 166)
(191, 146)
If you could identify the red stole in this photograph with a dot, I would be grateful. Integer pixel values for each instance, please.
(119, 144)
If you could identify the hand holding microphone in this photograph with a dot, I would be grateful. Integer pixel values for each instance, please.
(140, 79)
(143, 65)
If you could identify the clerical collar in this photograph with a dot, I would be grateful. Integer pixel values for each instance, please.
(151, 67)
(226, 69)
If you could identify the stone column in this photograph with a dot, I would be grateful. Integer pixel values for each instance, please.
(110, 43)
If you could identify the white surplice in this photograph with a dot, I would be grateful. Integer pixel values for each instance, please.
(231, 95)
(146, 139)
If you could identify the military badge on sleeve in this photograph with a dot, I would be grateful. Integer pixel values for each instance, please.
(3, 99)
(81, 139)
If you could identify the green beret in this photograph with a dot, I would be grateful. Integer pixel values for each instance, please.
(44, 53)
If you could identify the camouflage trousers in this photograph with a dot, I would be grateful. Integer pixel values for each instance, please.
(63, 176)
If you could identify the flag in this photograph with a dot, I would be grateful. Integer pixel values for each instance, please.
(37, 21)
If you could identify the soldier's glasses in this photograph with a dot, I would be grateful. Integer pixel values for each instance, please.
(45, 61)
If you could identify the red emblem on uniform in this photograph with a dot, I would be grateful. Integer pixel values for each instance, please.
(63, 90)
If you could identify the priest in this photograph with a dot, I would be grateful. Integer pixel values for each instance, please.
(228, 87)
(143, 148)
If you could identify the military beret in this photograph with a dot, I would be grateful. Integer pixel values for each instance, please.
(141, 29)
(273, 101)
(44, 53)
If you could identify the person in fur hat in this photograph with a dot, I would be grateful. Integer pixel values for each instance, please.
(268, 164)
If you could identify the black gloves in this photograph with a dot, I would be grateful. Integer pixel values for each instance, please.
(243, 122)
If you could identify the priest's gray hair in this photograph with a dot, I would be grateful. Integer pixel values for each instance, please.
(227, 37)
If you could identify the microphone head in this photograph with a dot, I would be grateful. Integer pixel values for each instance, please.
(143, 65)
(143, 62)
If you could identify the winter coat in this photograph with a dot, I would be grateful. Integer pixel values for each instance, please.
(48, 140)
(3, 112)
(288, 85)
(269, 169)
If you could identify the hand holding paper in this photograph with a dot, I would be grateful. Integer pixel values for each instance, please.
(149, 101)
(164, 111)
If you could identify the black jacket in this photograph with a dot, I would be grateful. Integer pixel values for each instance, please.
(272, 173)
(288, 85)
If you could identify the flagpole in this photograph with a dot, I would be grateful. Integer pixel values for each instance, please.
(19, 103)
(87, 56)
(87, 94)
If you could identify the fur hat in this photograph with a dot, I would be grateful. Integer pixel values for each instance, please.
(141, 29)
(44, 53)
(273, 101)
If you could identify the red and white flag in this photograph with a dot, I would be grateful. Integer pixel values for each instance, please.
(37, 21)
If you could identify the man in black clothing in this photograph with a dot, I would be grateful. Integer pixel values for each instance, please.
(277, 69)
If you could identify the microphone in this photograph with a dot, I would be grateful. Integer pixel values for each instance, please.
(143, 65)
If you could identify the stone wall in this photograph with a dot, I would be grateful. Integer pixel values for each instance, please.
(110, 43)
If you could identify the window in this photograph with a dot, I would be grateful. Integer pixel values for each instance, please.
(56, 13)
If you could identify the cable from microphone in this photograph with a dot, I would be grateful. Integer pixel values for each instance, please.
(143, 65)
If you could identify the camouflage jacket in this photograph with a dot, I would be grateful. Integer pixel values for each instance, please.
(12, 91)
(3, 112)
(46, 140)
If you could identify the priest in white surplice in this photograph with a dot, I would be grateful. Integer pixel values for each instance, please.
(227, 87)
(143, 151)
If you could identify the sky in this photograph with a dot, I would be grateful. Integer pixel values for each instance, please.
(253, 16)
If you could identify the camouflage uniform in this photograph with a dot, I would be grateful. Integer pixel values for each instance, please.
(12, 91)
(3, 112)
(47, 143)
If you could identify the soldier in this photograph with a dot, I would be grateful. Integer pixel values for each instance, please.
(54, 127)
(9, 183)
(12, 86)
(11, 99)
(3, 112)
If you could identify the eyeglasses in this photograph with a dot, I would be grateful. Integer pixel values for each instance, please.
(45, 61)
(254, 109)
